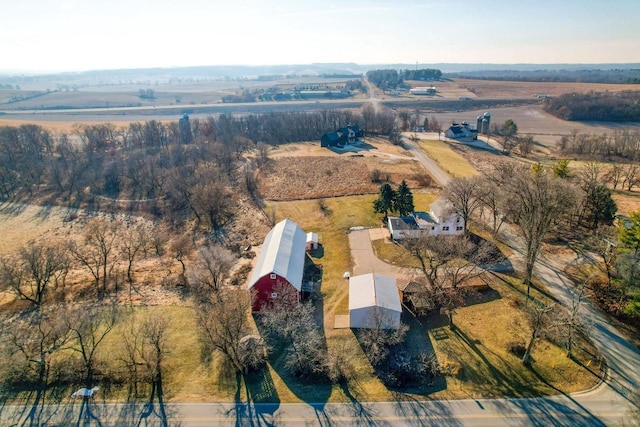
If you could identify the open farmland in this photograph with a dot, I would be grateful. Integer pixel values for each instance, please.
(531, 120)
(513, 89)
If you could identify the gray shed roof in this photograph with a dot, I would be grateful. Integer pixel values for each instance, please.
(283, 253)
(373, 289)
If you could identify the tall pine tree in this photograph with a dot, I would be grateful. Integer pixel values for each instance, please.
(404, 199)
(385, 201)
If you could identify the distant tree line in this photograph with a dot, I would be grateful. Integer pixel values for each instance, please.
(631, 76)
(424, 74)
(605, 106)
(385, 79)
(147, 94)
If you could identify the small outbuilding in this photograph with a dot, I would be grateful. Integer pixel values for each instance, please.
(374, 302)
(312, 241)
(280, 265)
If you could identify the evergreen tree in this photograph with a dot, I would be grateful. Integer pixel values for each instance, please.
(385, 201)
(601, 207)
(629, 233)
(403, 200)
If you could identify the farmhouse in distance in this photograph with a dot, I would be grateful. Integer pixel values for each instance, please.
(346, 135)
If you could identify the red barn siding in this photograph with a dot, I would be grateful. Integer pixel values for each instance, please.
(265, 286)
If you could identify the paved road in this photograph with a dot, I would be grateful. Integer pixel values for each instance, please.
(431, 166)
(556, 411)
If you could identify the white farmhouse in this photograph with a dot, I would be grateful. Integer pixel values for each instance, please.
(374, 302)
(441, 220)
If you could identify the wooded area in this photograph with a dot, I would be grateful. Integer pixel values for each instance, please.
(600, 106)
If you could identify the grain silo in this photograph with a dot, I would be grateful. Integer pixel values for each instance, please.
(486, 122)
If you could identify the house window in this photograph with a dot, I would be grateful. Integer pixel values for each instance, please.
(458, 228)
(445, 228)
(272, 276)
(458, 219)
(274, 295)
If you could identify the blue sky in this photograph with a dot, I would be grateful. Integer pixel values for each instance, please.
(59, 35)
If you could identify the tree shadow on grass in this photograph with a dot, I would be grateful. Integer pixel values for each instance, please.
(316, 389)
(398, 372)
(260, 402)
(510, 382)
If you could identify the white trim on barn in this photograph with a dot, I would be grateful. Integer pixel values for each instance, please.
(374, 302)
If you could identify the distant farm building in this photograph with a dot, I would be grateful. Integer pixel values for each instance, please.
(441, 220)
(462, 131)
(431, 90)
(345, 135)
(374, 302)
(280, 266)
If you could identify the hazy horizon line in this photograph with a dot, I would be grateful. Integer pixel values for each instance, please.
(33, 72)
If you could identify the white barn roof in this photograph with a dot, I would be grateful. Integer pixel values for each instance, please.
(283, 253)
(373, 290)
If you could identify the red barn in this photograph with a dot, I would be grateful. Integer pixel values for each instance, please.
(280, 265)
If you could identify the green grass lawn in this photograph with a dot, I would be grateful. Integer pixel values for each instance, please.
(477, 351)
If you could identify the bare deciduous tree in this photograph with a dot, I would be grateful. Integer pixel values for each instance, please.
(88, 327)
(134, 239)
(296, 326)
(37, 269)
(534, 201)
(538, 319)
(569, 324)
(35, 340)
(95, 255)
(378, 340)
(212, 269)
(223, 322)
(465, 194)
(180, 248)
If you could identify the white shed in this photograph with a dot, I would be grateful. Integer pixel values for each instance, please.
(312, 241)
(374, 302)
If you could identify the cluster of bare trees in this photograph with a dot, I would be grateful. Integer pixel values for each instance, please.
(621, 144)
(153, 166)
(108, 252)
(533, 199)
(448, 264)
(65, 346)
